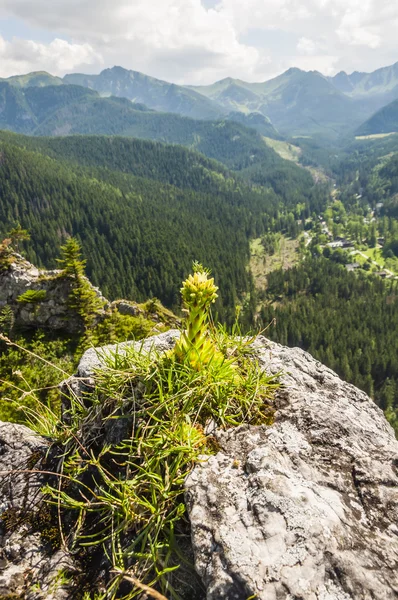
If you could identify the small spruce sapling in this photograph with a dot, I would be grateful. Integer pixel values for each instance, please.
(82, 298)
(17, 235)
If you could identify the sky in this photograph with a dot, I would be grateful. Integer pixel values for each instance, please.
(197, 41)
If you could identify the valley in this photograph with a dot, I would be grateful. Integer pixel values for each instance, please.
(274, 186)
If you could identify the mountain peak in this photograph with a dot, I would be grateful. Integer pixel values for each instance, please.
(293, 70)
(115, 70)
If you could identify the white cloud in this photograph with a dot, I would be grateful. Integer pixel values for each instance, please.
(306, 46)
(21, 56)
(196, 42)
(141, 34)
(266, 14)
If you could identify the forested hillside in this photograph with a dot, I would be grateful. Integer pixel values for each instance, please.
(384, 120)
(139, 233)
(348, 321)
(139, 240)
(184, 168)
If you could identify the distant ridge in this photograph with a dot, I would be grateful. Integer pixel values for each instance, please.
(381, 81)
(295, 103)
(35, 79)
(384, 120)
(154, 93)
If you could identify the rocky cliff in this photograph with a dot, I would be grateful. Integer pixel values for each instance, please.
(51, 311)
(306, 509)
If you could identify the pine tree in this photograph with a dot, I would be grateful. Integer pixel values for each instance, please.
(17, 235)
(71, 262)
(82, 298)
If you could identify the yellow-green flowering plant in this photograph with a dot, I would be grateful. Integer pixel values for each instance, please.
(196, 345)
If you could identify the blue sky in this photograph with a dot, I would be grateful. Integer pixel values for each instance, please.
(197, 41)
(11, 27)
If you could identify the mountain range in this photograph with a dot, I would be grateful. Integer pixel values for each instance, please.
(122, 102)
(296, 103)
(301, 103)
(382, 82)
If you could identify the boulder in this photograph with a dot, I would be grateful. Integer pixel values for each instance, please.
(126, 307)
(307, 508)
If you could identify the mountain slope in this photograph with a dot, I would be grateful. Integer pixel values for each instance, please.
(154, 93)
(24, 109)
(143, 211)
(15, 112)
(257, 121)
(297, 102)
(226, 141)
(384, 120)
(174, 165)
(35, 79)
(379, 82)
(233, 94)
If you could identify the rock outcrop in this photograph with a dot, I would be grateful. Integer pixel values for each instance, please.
(29, 568)
(53, 311)
(306, 509)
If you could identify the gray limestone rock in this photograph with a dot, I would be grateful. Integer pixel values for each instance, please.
(306, 509)
(51, 313)
(27, 568)
(124, 307)
(95, 358)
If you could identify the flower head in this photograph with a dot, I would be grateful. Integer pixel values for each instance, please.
(198, 291)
